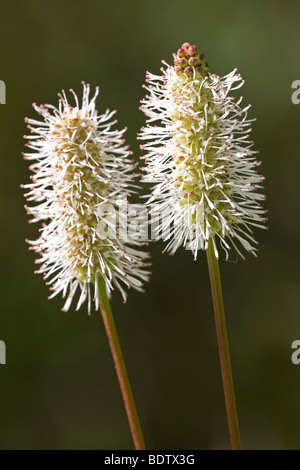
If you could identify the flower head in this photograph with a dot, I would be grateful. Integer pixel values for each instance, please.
(81, 171)
(200, 157)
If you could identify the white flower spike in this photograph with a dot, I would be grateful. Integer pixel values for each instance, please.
(200, 157)
(80, 168)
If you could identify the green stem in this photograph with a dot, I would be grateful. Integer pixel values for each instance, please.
(116, 351)
(216, 290)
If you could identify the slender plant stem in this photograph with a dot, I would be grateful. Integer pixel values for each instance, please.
(116, 351)
(217, 296)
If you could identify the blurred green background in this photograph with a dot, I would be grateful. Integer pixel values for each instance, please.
(59, 389)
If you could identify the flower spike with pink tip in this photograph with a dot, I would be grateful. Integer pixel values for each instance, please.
(199, 157)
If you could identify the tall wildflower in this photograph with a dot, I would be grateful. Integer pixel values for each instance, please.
(200, 158)
(81, 172)
(204, 174)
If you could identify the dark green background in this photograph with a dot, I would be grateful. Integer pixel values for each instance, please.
(58, 389)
